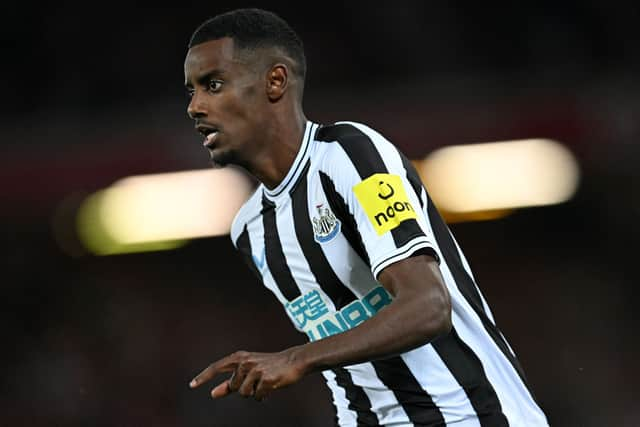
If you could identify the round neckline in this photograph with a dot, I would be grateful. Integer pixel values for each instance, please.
(296, 167)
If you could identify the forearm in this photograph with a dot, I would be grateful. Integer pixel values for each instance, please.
(408, 322)
(419, 312)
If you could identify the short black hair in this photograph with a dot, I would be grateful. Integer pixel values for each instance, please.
(252, 28)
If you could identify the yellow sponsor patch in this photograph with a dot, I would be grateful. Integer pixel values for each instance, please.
(383, 198)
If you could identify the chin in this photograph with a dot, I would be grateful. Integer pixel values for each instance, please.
(215, 165)
(221, 159)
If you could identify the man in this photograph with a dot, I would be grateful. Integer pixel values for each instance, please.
(343, 233)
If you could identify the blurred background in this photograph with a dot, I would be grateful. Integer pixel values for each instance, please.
(93, 93)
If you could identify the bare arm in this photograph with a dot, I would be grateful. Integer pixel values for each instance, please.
(419, 312)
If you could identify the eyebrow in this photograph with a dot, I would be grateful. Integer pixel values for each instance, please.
(203, 79)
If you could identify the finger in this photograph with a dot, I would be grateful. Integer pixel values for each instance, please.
(263, 388)
(221, 390)
(248, 385)
(226, 364)
(237, 378)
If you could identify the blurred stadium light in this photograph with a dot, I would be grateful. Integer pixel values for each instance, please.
(467, 182)
(161, 211)
(489, 180)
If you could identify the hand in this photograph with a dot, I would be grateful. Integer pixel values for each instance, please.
(254, 374)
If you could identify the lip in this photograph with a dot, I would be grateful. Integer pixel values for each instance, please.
(209, 132)
(210, 140)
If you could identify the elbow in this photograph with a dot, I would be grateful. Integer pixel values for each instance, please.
(444, 325)
(438, 318)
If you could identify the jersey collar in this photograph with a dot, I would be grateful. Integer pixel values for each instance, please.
(298, 164)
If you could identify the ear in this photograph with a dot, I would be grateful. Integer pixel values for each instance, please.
(277, 81)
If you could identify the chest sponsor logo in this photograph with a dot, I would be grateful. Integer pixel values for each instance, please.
(325, 226)
(384, 200)
(311, 315)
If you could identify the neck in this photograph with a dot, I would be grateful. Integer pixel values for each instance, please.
(281, 143)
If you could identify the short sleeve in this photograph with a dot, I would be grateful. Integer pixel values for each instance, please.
(366, 175)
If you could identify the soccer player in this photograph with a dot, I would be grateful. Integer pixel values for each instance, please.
(344, 234)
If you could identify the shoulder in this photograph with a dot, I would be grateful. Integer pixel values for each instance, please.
(354, 145)
(347, 132)
(348, 139)
(250, 209)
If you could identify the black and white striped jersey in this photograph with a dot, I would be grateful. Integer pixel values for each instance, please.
(351, 205)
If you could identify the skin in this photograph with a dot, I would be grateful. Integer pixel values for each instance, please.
(255, 102)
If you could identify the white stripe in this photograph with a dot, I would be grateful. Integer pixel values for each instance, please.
(377, 247)
(434, 377)
(511, 392)
(383, 401)
(346, 263)
(256, 239)
(467, 268)
(247, 212)
(393, 162)
(346, 417)
(515, 399)
(294, 255)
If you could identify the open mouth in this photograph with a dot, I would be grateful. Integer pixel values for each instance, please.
(209, 139)
(209, 134)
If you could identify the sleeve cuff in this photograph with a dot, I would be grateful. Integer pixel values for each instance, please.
(403, 252)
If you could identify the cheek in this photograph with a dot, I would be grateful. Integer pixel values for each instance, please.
(238, 108)
(251, 97)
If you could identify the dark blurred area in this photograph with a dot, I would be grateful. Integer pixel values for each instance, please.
(94, 92)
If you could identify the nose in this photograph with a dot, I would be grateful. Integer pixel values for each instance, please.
(196, 107)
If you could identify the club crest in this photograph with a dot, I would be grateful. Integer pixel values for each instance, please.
(325, 226)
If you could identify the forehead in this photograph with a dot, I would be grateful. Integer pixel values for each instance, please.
(208, 56)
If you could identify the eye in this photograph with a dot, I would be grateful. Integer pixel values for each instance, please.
(215, 85)
(190, 91)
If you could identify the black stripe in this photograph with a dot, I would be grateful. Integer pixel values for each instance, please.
(367, 160)
(273, 251)
(415, 401)
(244, 246)
(412, 177)
(451, 256)
(320, 267)
(358, 146)
(358, 400)
(466, 368)
(418, 187)
(340, 209)
(466, 285)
